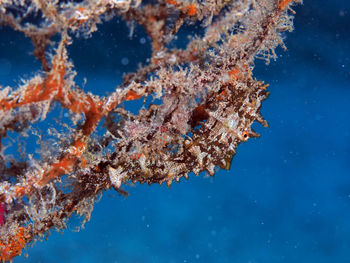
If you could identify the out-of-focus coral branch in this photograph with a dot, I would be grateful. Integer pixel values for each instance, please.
(209, 102)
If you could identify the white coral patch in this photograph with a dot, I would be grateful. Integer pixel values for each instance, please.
(116, 176)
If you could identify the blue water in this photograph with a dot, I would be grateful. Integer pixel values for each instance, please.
(287, 195)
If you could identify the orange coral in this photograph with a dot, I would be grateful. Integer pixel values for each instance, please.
(132, 95)
(283, 4)
(13, 245)
(191, 9)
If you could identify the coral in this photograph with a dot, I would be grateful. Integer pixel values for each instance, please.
(209, 100)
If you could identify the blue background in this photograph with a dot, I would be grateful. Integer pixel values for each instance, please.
(287, 195)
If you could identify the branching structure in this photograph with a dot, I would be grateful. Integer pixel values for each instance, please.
(208, 102)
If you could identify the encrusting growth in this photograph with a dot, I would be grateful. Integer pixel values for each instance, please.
(209, 100)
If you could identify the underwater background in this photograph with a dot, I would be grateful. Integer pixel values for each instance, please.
(287, 195)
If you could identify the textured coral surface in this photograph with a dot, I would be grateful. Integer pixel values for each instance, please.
(197, 104)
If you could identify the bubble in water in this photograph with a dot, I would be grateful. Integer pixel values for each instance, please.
(125, 61)
(142, 40)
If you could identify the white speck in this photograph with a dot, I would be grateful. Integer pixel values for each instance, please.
(172, 59)
(80, 16)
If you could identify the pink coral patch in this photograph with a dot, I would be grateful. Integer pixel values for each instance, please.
(2, 214)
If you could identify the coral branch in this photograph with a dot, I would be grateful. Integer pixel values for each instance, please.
(209, 100)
